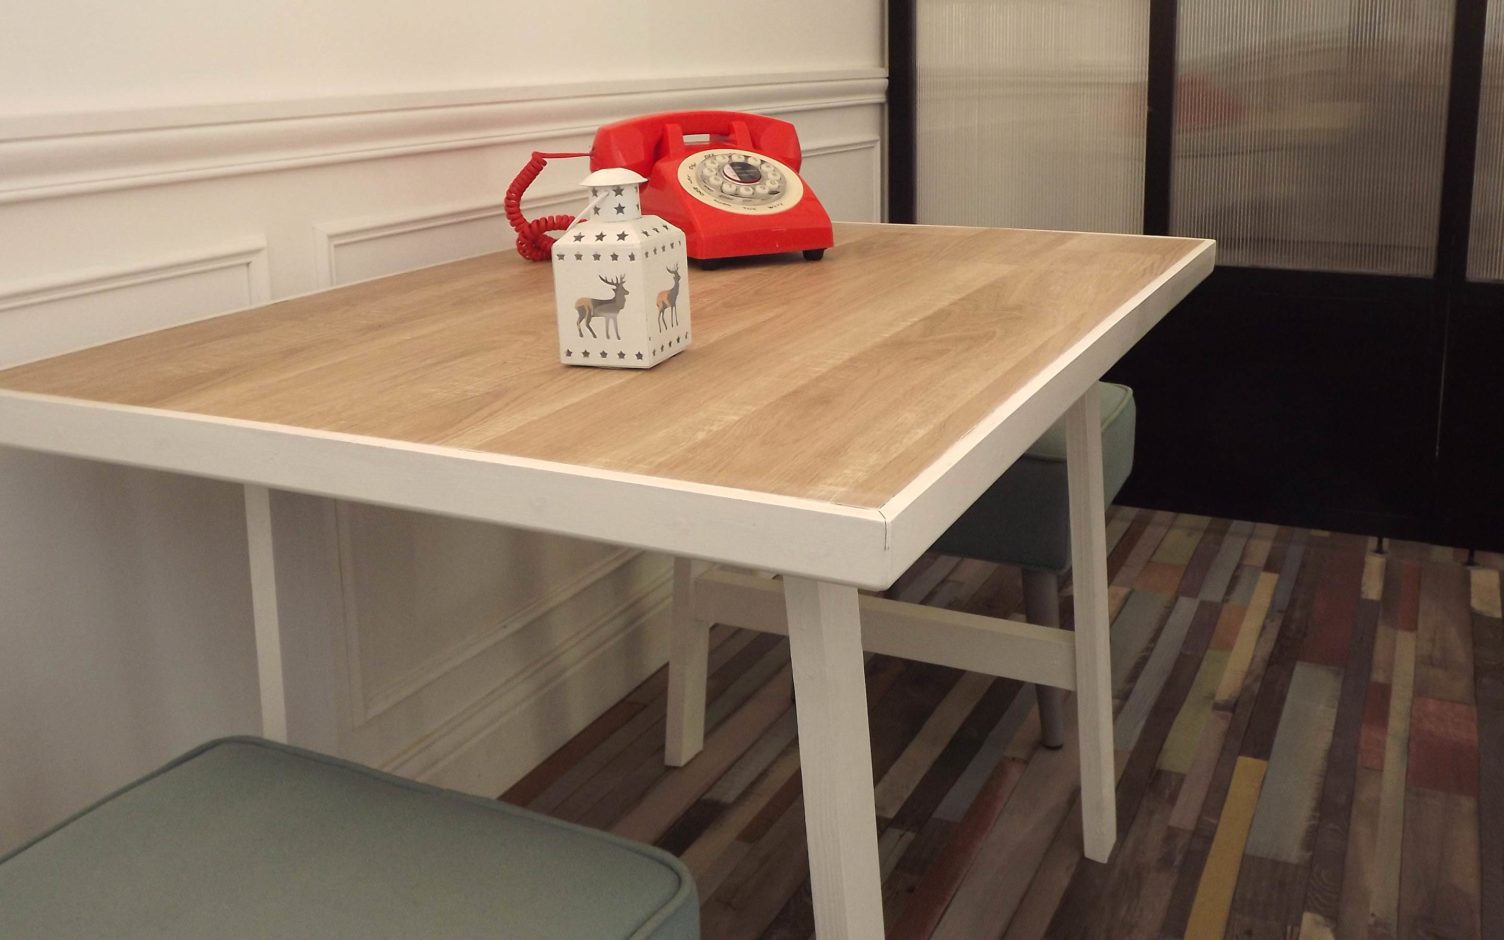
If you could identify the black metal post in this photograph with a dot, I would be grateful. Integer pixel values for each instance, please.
(902, 110)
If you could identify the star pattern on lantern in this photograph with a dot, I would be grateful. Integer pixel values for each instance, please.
(579, 236)
(621, 236)
(600, 236)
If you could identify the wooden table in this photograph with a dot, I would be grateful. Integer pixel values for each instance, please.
(829, 421)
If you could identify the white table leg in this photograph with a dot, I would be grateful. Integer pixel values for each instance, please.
(259, 541)
(1083, 455)
(835, 755)
(688, 657)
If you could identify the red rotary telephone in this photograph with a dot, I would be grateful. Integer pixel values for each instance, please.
(736, 191)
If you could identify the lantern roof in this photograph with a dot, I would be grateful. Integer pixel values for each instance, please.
(613, 176)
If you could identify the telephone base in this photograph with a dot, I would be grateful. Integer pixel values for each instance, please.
(711, 264)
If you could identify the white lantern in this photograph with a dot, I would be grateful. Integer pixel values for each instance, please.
(621, 284)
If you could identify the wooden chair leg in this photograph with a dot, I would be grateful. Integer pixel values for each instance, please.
(1042, 606)
(688, 660)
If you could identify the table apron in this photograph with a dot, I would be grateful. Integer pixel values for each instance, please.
(825, 541)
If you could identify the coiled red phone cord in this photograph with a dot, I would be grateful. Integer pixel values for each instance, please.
(533, 240)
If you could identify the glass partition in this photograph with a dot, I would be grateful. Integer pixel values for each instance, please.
(1309, 133)
(1031, 113)
(1486, 248)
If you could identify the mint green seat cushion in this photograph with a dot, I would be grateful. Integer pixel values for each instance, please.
(1024, 518)
(244, 838)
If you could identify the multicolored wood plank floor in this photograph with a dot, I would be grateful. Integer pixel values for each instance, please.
(1310, 740)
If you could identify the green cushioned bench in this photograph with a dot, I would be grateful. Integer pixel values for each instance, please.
(1024, 518)
(245, 838)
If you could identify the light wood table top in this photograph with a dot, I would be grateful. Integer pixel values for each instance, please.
(841, 382)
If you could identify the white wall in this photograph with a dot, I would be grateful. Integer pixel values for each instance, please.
(166, 160)
(90, 55)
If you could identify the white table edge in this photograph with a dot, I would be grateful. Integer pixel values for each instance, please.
(821, 540)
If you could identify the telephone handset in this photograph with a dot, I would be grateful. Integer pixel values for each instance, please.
(735, 191)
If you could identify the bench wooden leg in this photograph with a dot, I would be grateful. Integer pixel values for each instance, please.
(264, 610)
(689, 653)
(297, 606)
(1042, 606)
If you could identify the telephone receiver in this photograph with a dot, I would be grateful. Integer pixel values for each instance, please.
(729, 180)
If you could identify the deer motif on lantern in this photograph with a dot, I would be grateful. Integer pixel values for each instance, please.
(640, 258)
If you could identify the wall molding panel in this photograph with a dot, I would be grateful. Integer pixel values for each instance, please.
(869, 145)
(58, 155)
(824, 160)
(357, 250)
(52, 316)
(251, 256)
(353, 251)
(348, 252)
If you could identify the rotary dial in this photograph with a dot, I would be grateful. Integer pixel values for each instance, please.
(740, 181)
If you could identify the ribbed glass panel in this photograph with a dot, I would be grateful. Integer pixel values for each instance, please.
(1031, 113)
(1309, 132)
(1486, 249)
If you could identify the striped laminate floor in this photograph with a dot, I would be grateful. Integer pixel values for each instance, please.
(1310, 739)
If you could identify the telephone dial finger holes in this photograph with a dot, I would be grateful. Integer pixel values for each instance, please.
(740, 182)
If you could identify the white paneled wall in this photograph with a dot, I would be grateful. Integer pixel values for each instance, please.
(180, 175)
